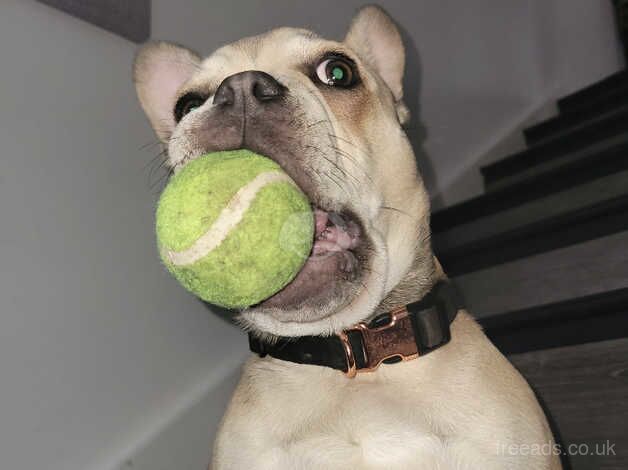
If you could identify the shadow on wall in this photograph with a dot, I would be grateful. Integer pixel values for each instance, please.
(223, 313)
(417, 132)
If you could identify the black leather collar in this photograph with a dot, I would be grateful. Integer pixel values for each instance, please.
(402, 334)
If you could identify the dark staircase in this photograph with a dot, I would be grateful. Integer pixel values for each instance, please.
(542, 261)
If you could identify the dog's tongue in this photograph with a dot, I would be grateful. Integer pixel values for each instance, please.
(333, 233)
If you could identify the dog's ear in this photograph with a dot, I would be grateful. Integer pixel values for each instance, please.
(374, 36)
(160, 69)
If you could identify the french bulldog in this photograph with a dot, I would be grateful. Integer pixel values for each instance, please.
(332, 115)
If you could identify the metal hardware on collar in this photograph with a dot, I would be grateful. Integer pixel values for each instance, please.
(402, 334)
(352, 370)
(377, 340)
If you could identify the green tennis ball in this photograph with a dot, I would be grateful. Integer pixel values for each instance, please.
(233, 228)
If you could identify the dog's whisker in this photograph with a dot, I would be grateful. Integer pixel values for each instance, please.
(162, 179)
(152, 161)
(150, 144)
(354, 161)
(317, 123)
(347, 141)
(346, 176)
(395, 209)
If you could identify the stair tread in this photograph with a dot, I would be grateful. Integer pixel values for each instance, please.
(566, 122)
(582, 170)
(593, 91)
(561, 145)
(597, 220)
(572, 198)
(589, 318)
(590, 267)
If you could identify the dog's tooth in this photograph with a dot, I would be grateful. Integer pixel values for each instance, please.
(321, 219)
(337, 235)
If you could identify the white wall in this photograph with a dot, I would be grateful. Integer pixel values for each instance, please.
(99, 349)
(98, 346)
(488, 65)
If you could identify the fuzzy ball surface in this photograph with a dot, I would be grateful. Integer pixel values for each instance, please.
(233, 228)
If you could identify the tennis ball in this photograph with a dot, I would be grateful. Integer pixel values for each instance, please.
(233, 228)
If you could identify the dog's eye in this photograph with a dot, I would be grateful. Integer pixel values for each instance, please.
(336, 71)
(188, 103)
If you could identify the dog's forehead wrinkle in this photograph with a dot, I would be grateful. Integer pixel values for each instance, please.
(298, 47)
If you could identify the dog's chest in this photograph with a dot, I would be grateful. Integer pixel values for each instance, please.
(329, 421)
(362, 431)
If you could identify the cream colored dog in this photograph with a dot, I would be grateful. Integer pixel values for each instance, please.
(331, 113)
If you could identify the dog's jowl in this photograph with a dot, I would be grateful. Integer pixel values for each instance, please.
(366, 360)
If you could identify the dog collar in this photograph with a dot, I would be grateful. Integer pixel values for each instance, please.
(402, 334)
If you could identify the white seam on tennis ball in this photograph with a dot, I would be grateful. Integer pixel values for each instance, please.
(229, 217)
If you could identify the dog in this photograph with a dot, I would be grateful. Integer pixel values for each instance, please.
(332, 115)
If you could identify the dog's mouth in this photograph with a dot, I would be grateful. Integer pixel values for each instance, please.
(343, 272)
(336, 258)
(335, 233)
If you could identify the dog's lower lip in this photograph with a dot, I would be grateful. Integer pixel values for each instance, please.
(333, 260)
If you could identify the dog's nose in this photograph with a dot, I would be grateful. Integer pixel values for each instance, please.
(252, 85)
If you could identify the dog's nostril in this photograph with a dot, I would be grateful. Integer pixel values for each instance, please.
(266, 88)
(224, 94)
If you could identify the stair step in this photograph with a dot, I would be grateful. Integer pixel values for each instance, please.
(597, 220)
(580, 320)
(538, 210)
(575, 142)
(583, 391)
(555, 164)
(592, 267)
(566, 122)
(590, 167)
(584, 97)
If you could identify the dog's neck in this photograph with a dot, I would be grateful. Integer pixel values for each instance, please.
(425, 272)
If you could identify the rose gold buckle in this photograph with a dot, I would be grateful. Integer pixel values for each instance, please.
(392, 340)
(352, 370)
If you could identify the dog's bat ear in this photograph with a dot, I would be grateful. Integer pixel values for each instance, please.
(374, 36)
(159, 71)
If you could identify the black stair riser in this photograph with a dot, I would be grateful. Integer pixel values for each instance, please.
(582, 320)
(587, 169)
(567, 143)
(588, 268)
(566, 122)
(592, 222)
(593, 92)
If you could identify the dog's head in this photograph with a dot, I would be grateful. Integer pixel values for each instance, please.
(331, 114)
